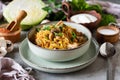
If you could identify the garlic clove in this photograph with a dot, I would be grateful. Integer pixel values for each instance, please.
(103, 49)
(45, 21)
(3, 51)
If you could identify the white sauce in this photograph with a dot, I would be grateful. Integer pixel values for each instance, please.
(83, 18)
(107, 31)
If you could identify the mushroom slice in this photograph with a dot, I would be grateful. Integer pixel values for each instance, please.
(71, 46)
(10, 46)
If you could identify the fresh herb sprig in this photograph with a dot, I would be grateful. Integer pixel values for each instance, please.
(78, 5)
(58, 34)
(46, 27)
(73, 36)
(54, 8)
(106, 19)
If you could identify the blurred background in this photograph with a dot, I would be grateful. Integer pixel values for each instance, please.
(116, 1)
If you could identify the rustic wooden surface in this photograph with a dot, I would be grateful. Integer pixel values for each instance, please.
(95, 71)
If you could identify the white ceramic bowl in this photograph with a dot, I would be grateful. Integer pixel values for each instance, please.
(59, 55)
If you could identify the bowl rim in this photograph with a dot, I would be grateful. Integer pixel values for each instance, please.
(10, 33)
(109, 27)
(59, 49)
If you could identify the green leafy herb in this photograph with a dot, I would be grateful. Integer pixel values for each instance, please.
(37, 29)
(106, 19)
(54, 8)
(58, 34)
(82, 5)
(79, 4)
(48, 9)
(46, 27)
(97, 8)
(73, 35)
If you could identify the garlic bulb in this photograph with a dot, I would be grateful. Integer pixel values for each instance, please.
(103, 49)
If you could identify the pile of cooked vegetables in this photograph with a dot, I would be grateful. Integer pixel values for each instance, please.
(59, 36)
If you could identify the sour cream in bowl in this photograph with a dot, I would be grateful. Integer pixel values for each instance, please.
(89, 19)
(83, 18)
(107, 34)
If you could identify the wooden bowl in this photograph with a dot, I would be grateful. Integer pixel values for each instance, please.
(69, 13)
(107, 34)
(12, 36)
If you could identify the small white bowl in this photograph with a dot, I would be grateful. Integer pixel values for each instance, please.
(59, 55)
(108, 34)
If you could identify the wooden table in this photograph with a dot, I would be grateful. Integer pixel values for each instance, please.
(95, 71)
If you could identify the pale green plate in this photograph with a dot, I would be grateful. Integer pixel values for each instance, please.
(58, 67)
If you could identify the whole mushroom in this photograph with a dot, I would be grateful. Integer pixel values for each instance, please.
(9, 46)
(5, 46)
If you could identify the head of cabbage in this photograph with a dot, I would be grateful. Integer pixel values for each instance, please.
(35, 13)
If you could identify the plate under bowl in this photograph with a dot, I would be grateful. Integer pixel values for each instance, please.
(58, 67)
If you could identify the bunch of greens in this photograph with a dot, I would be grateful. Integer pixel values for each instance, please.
(82, 5)
(106, 19)
(78, 5)
(54, 9)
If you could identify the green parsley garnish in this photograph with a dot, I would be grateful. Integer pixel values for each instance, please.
(58, 34)
(46, 27)
(73, 36)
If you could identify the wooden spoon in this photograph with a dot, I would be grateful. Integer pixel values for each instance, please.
(15, 25)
